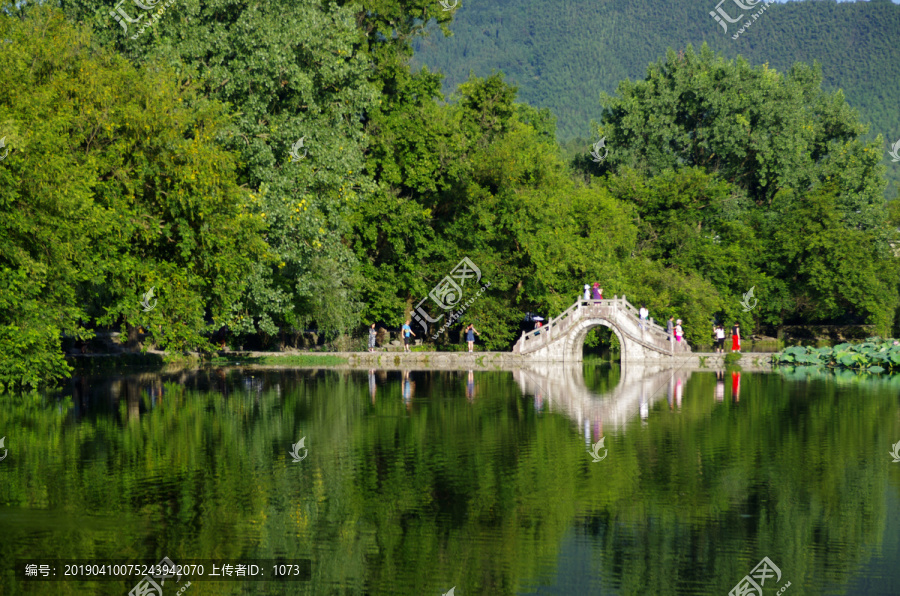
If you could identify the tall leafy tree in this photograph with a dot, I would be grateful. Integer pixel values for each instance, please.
(835, 273)
(778, 141)
(758, 129)
(115, 184)
(296, 74)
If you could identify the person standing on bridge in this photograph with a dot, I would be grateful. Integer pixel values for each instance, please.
(587, 292)
(670, 327)
(598, 292)
(470, 336)
(644, 314)
(679, 333)
(735, 338)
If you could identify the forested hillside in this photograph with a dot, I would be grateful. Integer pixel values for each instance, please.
(562, 53)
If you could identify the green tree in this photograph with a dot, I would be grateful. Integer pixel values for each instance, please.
(286, 81)
(115, 185)
(697, 252)
(834, 273)
(721, 159)
(757, 129)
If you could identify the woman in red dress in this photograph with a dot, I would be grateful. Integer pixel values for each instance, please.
(736, 338)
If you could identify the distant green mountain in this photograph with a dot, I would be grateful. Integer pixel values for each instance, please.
(563, 53)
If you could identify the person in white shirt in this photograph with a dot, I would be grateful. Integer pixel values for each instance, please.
(644, 314)
(720, 339)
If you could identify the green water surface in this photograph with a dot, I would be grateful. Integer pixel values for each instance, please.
(419, 482)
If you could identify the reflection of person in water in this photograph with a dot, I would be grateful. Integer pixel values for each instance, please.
(720, 385)
(679, 389)
(538, 400)
(470, 386)
(407, 389)
(372, 384)
(735, 386)
(155, 392)
(593, 431)
(645, 406)
(222, 381)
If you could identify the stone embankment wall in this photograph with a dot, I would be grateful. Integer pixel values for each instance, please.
(509, 361)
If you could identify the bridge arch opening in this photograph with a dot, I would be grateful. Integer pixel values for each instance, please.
(601, 330)
(601, 343)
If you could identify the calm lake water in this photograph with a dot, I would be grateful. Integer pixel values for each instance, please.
(416, 483)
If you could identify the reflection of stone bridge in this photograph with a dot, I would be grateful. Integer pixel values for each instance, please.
(562, 338)
(564, 390)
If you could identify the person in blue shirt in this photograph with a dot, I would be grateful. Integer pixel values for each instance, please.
(407, 335)
(470, 336)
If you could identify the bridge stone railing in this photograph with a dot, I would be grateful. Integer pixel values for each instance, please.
(618, 312)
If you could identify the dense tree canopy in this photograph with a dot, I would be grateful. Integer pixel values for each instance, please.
(115, 184)
(170, 157)
(756, 128)
(756, 179)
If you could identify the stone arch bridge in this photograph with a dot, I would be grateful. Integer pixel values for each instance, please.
(562, 338)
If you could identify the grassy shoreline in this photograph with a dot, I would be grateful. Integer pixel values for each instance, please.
(286, 360)
(157, 360)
